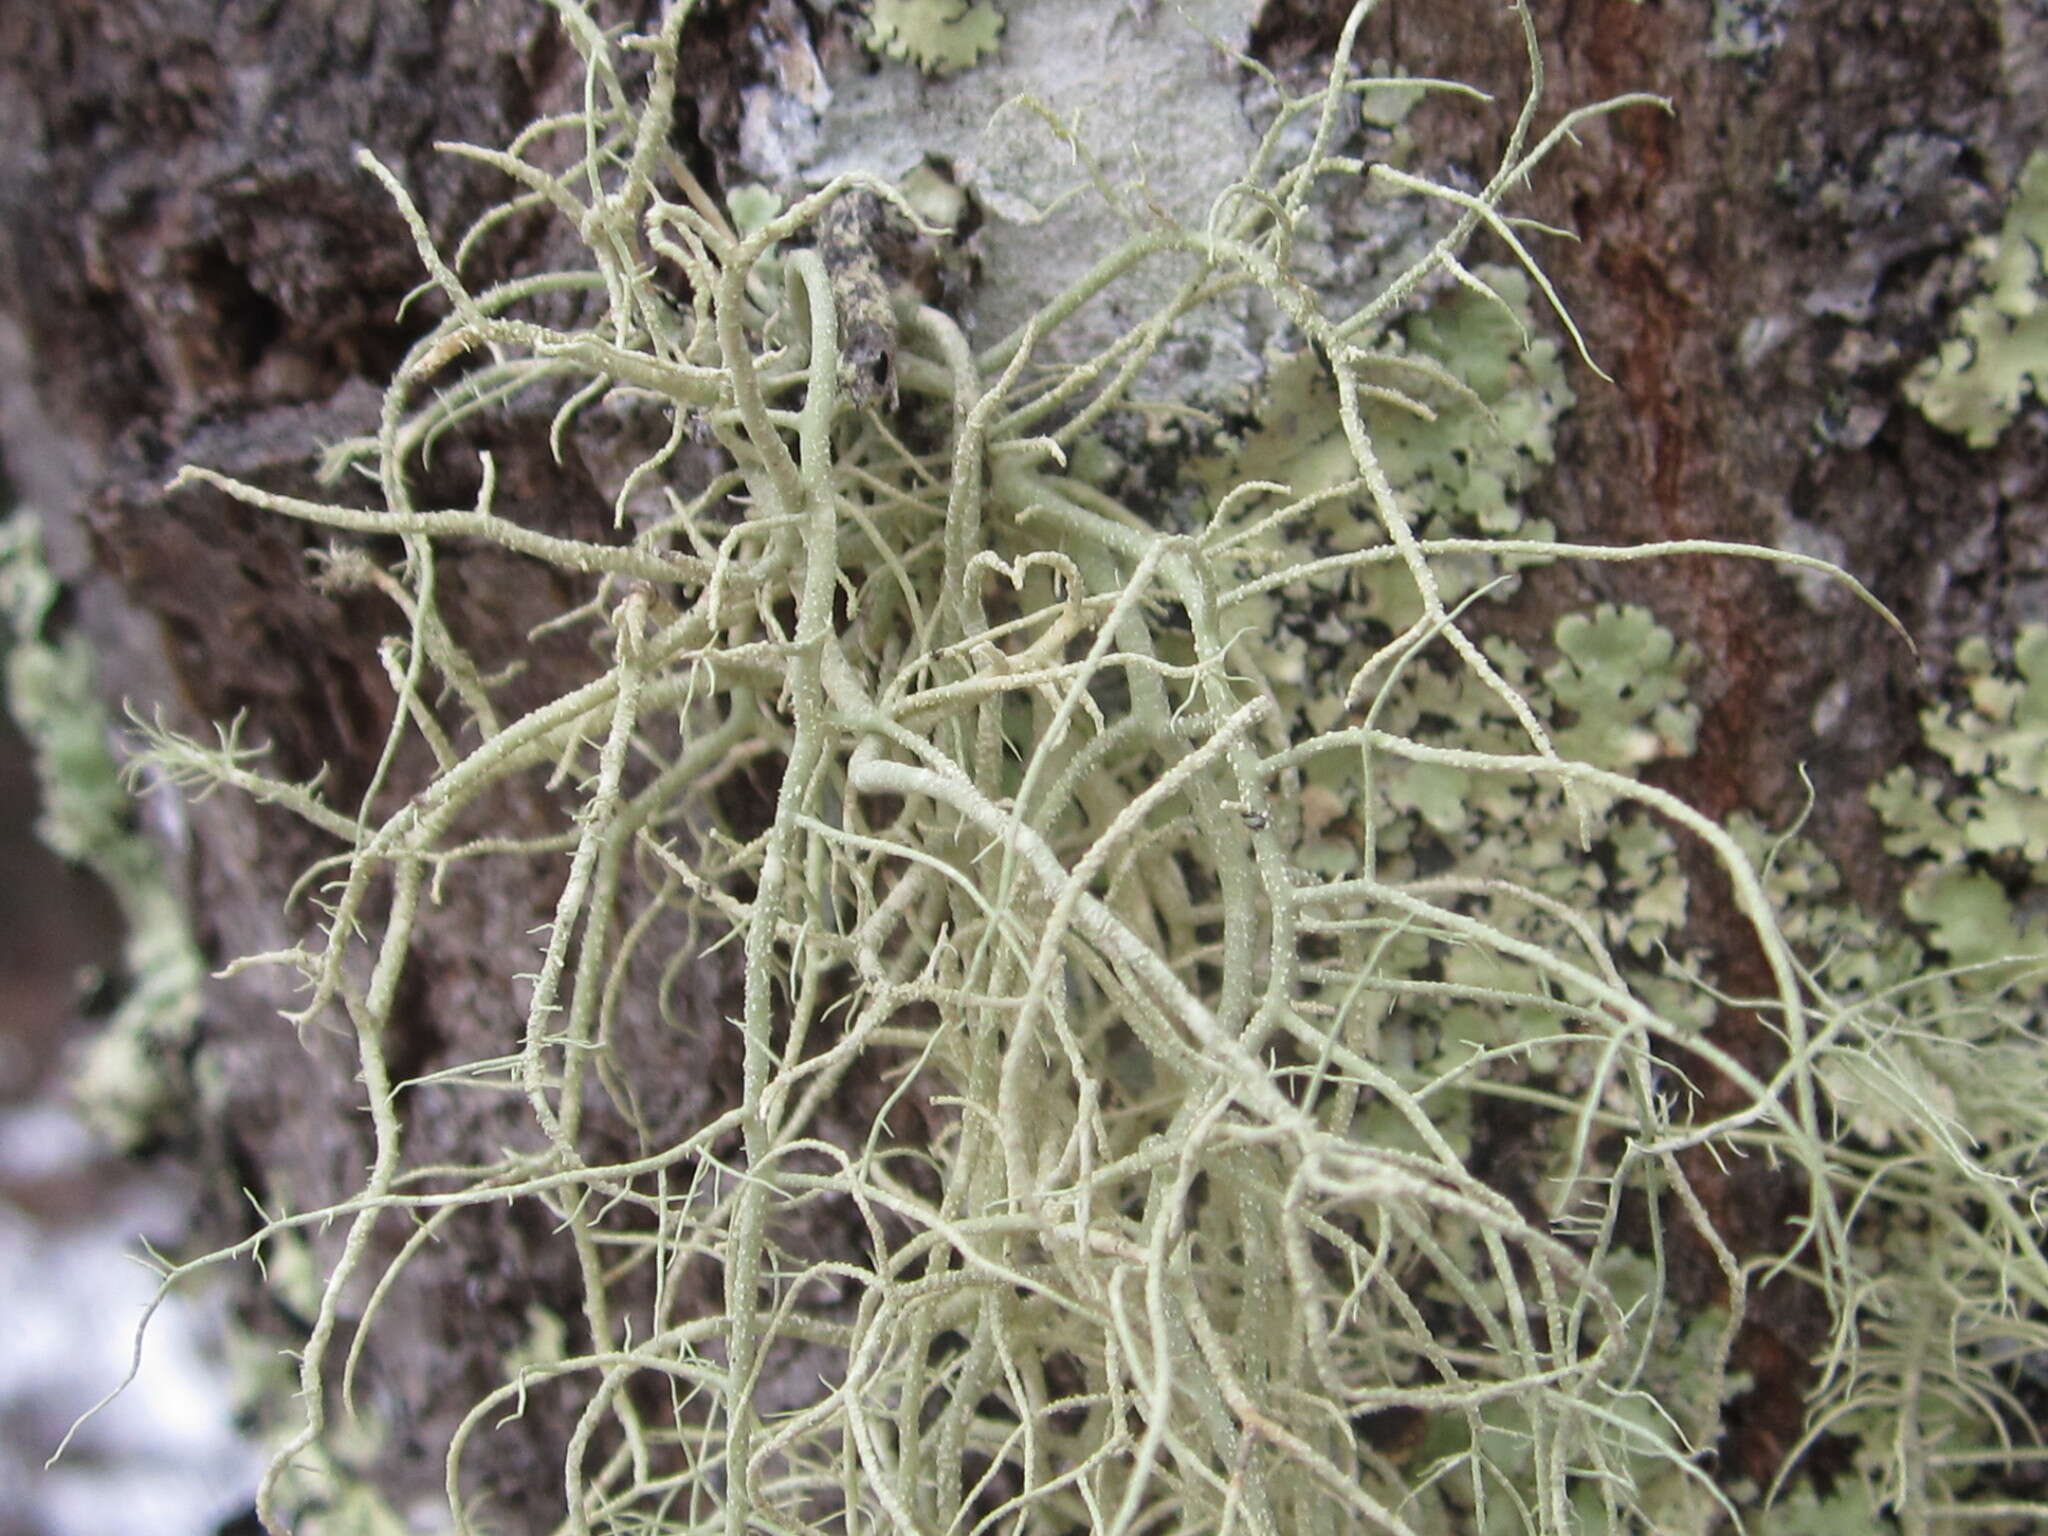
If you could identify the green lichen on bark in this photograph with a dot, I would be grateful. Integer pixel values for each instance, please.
(1997, 356)
(1972, 847)
(938, 36)
(88, 817)
(1196, 883)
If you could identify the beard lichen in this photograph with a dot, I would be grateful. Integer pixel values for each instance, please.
(1197, 951)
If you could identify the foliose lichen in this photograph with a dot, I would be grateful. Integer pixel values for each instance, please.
(88, 817)
(938, 36)
(1974, 849)
(1997, 355)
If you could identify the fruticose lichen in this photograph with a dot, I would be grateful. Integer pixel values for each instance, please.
(1998, 356)
(1199, 877)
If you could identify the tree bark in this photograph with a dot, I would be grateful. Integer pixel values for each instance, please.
(193, 270)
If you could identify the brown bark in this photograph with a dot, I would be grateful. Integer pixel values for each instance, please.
(195, 271)
(1759, 270)
(192, 270)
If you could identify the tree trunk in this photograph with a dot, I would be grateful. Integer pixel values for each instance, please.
(196, 271)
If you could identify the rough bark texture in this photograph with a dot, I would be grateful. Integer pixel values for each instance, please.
(197, 272)
(1758, 272)
(192, 270)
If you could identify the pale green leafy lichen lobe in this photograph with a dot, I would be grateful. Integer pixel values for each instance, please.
(1997, 356)
(1622, 676)
(938, 36)
(1967, 846)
